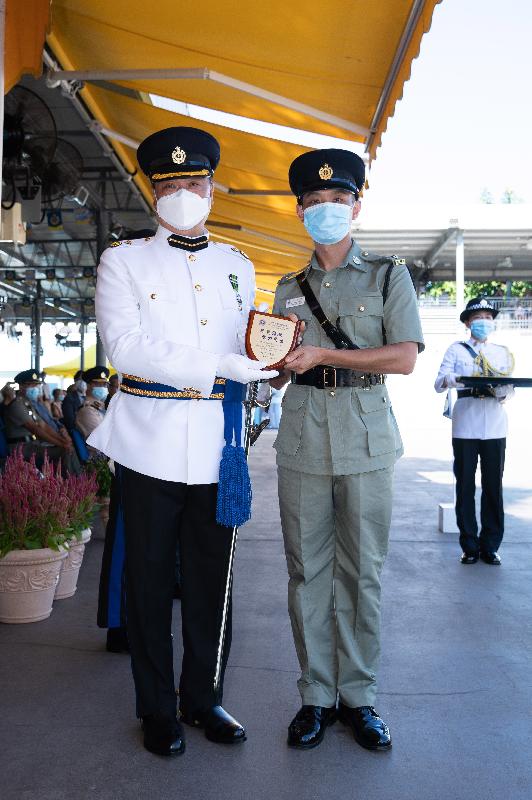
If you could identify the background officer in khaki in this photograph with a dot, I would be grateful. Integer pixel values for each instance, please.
(337, 444)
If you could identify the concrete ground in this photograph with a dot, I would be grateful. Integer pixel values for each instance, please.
(455, 681)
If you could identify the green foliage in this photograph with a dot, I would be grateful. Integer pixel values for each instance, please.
(484, 289)
(478, 288)
(99, 467)
(40, 509)
(509, 196)
(437, 288)
(521, 288)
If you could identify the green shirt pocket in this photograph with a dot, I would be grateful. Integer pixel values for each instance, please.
(360, 316)
(376, 415)
(294, 406)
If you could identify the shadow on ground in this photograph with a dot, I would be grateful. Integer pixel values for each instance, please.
(455, 683)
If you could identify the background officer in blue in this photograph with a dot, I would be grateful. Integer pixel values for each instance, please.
(337, 444)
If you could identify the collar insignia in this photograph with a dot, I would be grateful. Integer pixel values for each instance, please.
(178, 156)
(325, 172)
(190, 244)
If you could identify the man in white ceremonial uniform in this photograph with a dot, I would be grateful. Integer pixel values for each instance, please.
(479, 431)
(172, 311)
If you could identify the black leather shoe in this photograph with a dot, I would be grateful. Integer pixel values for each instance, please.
(368, 728)
(491, 558)
(163, 735)
(219, 726)
(308, 727)
(469, 558)
(117, 640)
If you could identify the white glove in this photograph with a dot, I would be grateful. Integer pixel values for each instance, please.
(503, 393)
(242, 369)
(450, 381)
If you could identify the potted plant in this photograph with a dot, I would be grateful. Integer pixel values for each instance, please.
(80, 492)
(33, 529)
(99, 467)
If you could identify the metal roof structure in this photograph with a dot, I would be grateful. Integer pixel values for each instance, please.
(497, 239)
(57, 265)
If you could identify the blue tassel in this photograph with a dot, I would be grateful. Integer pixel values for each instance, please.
(233, 505)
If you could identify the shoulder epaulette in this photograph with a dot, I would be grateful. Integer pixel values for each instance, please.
(366, 256)
(240, 253)
(292, 275)
(228, 248)
(130, 242)
(398, 262)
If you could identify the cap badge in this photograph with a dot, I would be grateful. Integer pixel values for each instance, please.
(178, 155)
(34, 377)
(103, 375)
(483, 303)
(325, 172)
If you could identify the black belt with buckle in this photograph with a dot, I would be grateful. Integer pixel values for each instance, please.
(478, 393)
(331, 377)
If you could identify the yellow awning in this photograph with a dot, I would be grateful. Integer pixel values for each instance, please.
(25, 30)
(336, 68)
(69, 368)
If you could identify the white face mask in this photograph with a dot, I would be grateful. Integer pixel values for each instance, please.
(183, 209)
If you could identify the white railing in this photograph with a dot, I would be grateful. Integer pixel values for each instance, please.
(514, 312)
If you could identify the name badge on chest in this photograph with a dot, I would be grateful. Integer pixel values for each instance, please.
(295, 301)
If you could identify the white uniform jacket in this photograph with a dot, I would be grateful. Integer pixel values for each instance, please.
(476, 418)
(167, 315)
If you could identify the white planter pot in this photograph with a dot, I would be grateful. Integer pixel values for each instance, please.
(68, 577)
(28, 579)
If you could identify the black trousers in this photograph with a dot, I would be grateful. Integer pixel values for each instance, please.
(112, 590)
(466, 455)
(157, 515)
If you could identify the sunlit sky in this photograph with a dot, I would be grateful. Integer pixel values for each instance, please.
(465, 121)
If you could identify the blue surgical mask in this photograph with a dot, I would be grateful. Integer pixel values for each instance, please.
(33, 393)
(481, 329)
(100, 392)
(328, 223)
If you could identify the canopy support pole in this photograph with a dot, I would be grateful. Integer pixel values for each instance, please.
(82, 346)
(101, 235)
(37, 317)
(2, 62)
(459, 271)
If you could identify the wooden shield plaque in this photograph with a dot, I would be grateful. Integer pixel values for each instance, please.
(270, 338)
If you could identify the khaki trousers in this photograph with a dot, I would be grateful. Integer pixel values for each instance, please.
(336, 532)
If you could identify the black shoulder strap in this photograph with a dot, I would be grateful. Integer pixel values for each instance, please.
(396, 261)
(340, 340)
(387, 282)
(385, 288)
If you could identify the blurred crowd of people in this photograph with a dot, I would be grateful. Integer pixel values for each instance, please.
(52, 421)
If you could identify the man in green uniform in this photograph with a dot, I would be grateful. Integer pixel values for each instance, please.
(337, 444)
